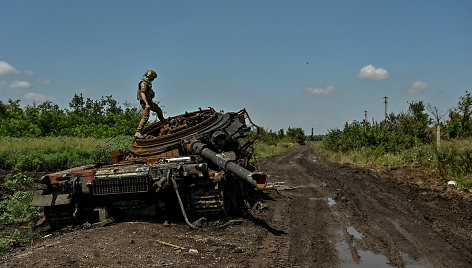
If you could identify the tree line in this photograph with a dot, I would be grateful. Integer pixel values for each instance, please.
(83, 118)
(405, 129)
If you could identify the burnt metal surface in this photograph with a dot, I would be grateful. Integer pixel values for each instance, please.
(120, 185)
(196, 157)
(162, 136)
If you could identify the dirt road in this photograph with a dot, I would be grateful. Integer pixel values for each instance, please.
(323, 215)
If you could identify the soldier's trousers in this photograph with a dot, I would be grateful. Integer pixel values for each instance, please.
(155, 108)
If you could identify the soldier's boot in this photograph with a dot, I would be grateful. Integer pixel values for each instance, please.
(161, 117)
(139, 135)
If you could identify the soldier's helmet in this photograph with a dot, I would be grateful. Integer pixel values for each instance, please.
(151, 74)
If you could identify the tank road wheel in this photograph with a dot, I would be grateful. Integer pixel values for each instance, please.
(59, 216)
(206, 201)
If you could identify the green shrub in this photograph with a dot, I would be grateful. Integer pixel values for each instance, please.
(9, 239)
(18, 181)
(88, 118)
(51, 154)
(453, 160)
(16, 209)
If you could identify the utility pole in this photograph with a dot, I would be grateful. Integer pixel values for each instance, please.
(365, 117)
(311, 133)
(386, 107)
(438, 135)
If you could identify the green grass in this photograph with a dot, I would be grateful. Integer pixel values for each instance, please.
(59, 153)
(453, 160)
(56, 153)
(17, 217)
(265, 150)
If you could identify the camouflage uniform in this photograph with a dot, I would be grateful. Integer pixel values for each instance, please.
(145, 86)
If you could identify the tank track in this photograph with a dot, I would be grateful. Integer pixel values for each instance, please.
(202, 194)
(59, 216)
(207, 202)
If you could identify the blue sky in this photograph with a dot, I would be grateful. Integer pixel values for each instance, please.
(309, 64)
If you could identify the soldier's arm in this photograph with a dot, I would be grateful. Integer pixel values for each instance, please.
(143, 94)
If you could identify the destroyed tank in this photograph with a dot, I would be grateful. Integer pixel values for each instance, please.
(193, 164)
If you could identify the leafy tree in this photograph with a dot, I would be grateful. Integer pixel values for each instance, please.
(419, 121)
(460, 122)
(90, 118)
(280, 133)
(396, 133)
(77, 104)
(296, 134)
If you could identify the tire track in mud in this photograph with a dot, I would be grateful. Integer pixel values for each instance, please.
(373, 220)
(273, 245)
(325, 215)
(304, 217)
(396, 224)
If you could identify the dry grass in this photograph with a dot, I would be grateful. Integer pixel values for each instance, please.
(453, 160)
(265, 150)
(25, 144)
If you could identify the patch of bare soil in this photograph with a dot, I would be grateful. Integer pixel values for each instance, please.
(319, 214)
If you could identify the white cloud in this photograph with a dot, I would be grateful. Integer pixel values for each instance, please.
(371, 73)
(15, 84)
(418, 87)
(28, 72)
(19, 84)
(44, 82)
(6, 69)
(31, 96)
(320, 91)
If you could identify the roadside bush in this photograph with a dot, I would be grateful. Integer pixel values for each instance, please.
(460, 118)
(18, 182)
(17, 217)
(296, 135)
(453, 160)
(397, 133)
(54, 158)
(16, 209)
(51, 154)
(269, 144)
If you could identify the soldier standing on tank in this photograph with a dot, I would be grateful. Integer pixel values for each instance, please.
(145, 96)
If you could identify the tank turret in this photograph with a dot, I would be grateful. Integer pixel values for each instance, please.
(193, 163)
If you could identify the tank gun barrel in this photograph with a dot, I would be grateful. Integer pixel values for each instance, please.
(257, 179)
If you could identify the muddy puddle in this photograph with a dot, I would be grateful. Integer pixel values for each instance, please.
(352, 231)
(348, 246)
(350, 251)
(350, 256)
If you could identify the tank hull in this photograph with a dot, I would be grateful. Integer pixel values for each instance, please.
(191, 164)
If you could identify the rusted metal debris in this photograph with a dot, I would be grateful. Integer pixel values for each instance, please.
(196, 156)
